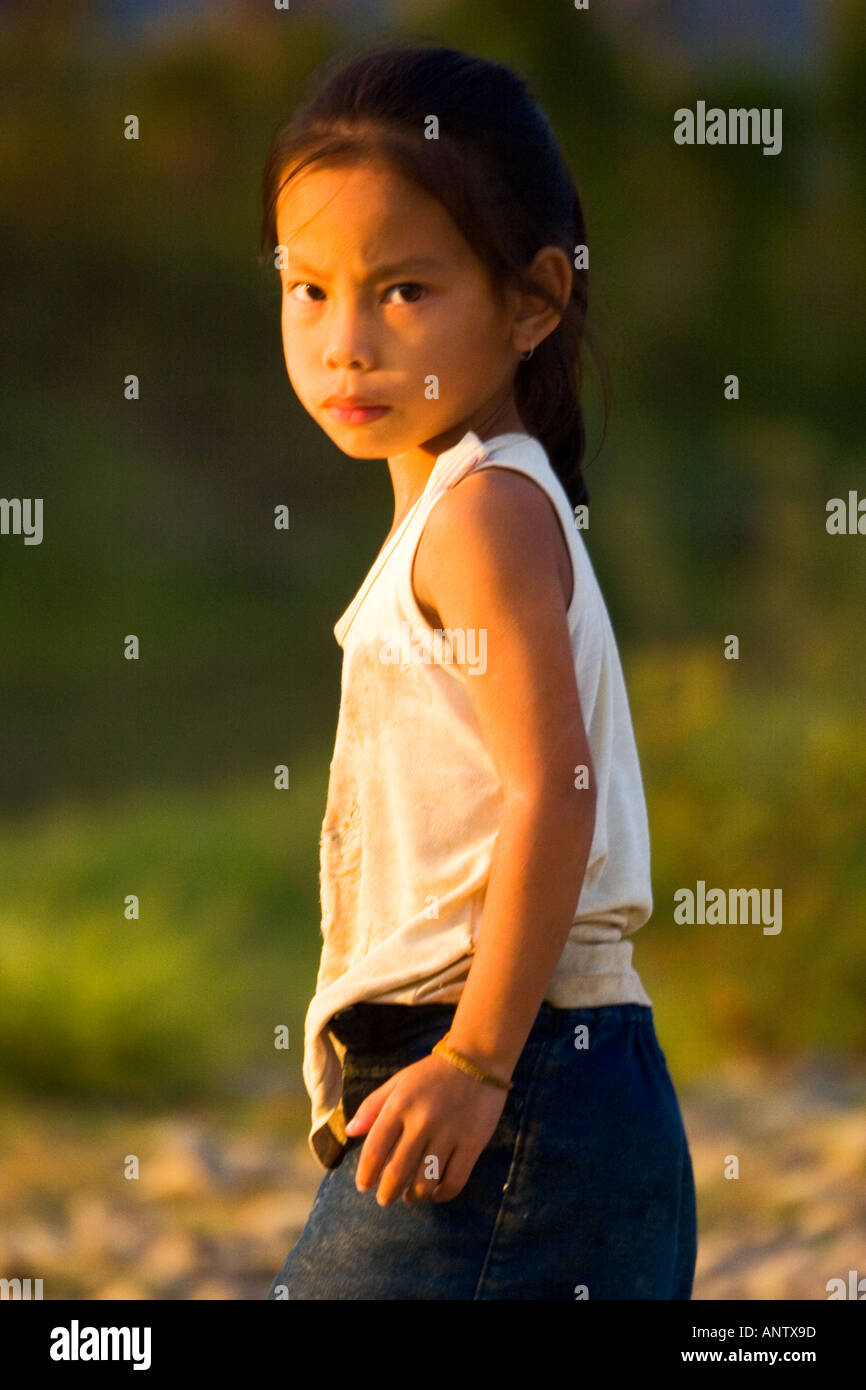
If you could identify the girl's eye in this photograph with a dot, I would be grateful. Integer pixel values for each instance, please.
(408, 285)
(304, 285)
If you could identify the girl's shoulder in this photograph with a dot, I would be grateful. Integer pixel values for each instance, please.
(498, 519)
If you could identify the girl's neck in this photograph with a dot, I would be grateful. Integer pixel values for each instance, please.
(411, 471)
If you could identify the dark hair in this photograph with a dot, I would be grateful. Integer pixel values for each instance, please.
(498, 170)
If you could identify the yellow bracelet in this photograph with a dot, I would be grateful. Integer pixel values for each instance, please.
(471, 1068)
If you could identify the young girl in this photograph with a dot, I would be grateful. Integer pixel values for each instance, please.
(489, 1099)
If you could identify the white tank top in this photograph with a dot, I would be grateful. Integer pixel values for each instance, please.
(414, 802)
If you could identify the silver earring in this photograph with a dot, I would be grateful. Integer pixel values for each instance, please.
(525, 356)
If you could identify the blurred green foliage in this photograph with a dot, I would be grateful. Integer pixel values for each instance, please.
(155, 777)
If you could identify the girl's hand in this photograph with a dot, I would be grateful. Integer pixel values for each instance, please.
(428, 1110)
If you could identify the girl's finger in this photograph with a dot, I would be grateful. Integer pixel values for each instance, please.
(369, 1108)
(455, 1176)
(402, 1168)
(425, 1180)
(384, 1134)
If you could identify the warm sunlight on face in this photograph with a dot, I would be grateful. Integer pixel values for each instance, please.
(384, 300)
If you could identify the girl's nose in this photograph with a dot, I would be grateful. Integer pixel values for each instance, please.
(347, 344)
(346, 361)
(347, 355)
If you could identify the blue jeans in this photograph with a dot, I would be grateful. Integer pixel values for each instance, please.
(584, 1190)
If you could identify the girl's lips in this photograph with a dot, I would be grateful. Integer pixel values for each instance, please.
(357, 414)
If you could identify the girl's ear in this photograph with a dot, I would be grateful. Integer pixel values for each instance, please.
(552, 270)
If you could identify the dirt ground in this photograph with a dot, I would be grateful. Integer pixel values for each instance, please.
(220, 1198)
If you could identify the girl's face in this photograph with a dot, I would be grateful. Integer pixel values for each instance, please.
(383, 299)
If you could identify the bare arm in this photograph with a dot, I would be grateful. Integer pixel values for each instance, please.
(491, 556)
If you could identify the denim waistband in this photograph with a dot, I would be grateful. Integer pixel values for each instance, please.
(368, 1025)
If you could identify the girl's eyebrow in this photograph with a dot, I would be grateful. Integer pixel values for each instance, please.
(380, 271)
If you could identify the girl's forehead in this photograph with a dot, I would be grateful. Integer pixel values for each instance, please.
(373, 189)
(367, 208)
